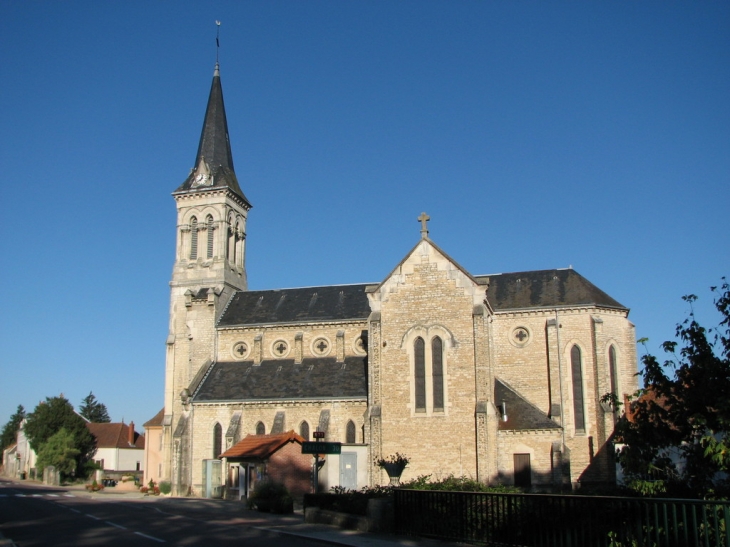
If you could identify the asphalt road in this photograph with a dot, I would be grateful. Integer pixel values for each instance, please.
(34, 515)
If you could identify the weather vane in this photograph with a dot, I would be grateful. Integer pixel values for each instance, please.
(217, 42)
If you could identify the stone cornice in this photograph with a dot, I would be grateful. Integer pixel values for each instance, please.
(549, 310)
(294, 325)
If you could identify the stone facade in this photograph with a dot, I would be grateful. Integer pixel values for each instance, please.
(497, 377)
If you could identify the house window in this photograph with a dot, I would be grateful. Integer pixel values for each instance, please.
(217, 440)
(437, 365)
(577, 376)
(209, 222)
(523, 471)
(193, 238)
(260, 428)
(419, 352)
(304, 430)
(137, 466)
(350, 433)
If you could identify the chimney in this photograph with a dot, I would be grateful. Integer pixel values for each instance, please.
(131, 433)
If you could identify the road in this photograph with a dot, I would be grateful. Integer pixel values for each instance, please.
(34, 515)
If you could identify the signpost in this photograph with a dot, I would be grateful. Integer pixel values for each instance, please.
(319, 447)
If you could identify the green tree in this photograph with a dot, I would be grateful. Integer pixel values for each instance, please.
(93, 410)
(60, 451)
(683, 408)
(10, 429)
(49, 417)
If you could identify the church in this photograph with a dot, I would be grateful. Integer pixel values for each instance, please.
(494, 377)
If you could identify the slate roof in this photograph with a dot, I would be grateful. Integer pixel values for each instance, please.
(544, 288)
(114, 435)
(215, 147)
(337, 302)
(281, 379)
(507, 291)
(261, 447)
(521, 414)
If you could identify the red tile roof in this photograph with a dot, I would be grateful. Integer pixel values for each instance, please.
(261, 446)
(114, 435)
(156, 421)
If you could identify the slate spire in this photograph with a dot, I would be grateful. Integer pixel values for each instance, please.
(214, 161)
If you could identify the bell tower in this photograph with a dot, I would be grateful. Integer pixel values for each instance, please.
(211, 208)
(210, 265)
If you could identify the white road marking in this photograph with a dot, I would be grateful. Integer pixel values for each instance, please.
(92, 516)
(75, 511)
(150, 537)
(69, 496)
(53, 495)
(19, 495)
(115, 525)
(36, 495)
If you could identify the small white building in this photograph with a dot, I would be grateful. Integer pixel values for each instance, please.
(20, 458)
(118, 446)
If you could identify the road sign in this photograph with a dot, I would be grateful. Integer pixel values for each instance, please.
(321, 448)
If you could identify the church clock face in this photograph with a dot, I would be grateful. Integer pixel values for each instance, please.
(201, 179)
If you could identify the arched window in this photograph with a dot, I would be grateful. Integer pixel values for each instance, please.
(577, 376)
(613, 370)
(238, 244)
(350, 433)
(217, 440)
(304, 430)
(230, 239)
(437, 372)
(209, 223)
(419, 352)
(260, 428)
(193, 238)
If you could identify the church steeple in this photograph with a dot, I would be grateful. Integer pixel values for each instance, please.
(214, 161)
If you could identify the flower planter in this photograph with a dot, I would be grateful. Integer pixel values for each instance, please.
(394, 471)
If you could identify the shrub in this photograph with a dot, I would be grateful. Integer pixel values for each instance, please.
(94, 486)
(165, 487)
(270, 496)
(457, 484)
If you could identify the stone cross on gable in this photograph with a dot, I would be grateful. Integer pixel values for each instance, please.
(423, 219)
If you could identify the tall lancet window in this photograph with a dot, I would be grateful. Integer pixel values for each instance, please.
(193, 238)
(209, 222)
(217, 440)
(238, 243)
(613, 369)
(231, 241)
(350, 432)
(437, 372)
(419, 353)
(304, 430)
(577, 376)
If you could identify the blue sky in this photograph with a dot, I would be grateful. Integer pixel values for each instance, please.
(535, 134)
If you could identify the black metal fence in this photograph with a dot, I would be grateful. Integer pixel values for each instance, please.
(541, 520)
